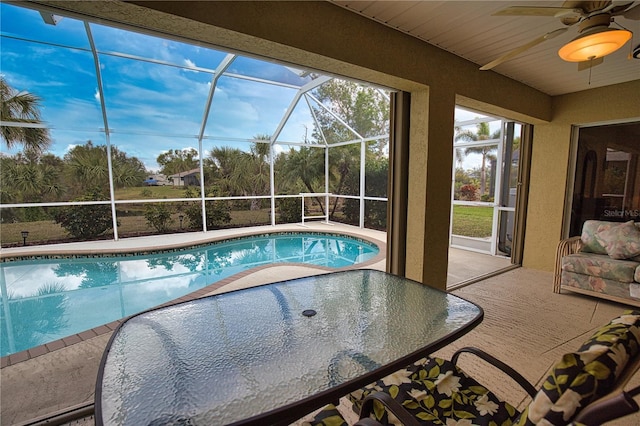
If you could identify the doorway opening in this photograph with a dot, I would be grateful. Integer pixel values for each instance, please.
(485, 189)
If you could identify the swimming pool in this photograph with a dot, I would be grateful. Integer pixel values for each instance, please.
(49, 298)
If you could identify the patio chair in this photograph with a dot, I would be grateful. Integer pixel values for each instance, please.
(586, 387)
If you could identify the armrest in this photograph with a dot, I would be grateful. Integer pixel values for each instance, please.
(609, 408)
(565, 247)
(513, 374)
(618, 403)
(390, 404)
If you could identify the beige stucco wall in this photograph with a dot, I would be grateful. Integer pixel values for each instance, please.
(322, 36)
(551, 161)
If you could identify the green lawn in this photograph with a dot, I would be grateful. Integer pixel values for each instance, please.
(469, 221)
(472, 221)
(143, 192)
(48, 231)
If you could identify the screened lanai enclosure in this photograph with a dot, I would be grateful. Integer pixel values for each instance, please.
(112, 131)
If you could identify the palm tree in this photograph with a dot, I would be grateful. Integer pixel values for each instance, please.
(244, 173)
(228, 163)
(22, 107)
(261, 177)
(307, 165)
(482, 134)
(344, 160)
(25, 180)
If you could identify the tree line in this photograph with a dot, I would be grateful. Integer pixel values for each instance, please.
(36, 176)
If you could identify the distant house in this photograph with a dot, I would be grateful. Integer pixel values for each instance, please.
(156, 180)
(186, 178)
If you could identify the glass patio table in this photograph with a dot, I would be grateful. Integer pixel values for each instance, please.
(272, 354)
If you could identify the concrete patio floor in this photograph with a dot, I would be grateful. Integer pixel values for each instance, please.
(525, 324)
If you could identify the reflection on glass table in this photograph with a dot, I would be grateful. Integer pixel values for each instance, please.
(273, 353)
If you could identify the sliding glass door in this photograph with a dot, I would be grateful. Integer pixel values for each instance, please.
(485, 182)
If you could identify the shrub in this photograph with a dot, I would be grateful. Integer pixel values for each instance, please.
(468, 192)
(85, 221)
(289, 210)
(158, 216)
(217, 215)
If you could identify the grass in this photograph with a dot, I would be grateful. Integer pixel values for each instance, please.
(157, 192)
(472, 221)
(47, 231)
(469, 221)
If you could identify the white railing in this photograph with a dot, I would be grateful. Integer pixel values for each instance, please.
(325, 216)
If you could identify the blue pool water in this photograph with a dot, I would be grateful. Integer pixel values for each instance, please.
(47, 299)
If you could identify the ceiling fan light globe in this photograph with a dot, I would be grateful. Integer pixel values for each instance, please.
(594, 45)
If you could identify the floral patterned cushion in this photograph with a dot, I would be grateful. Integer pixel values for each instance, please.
(435, 391)
(586, 375)
(621, 241)
(601, 285)
(328, 416)
(601, 266)
(588, 237)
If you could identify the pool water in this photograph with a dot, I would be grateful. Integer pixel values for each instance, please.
(47, 299)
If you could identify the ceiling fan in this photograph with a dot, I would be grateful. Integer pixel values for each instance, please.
(595, 38)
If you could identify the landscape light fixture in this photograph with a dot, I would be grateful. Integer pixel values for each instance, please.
(596, 40)
(181, 217)
(24, 234)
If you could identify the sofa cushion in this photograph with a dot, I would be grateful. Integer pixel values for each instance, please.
(328, 416)
(601, 266)
(586, 375)
(636, 277)
(628, 291)
(589, 229)
(621, 241)
(435, 391)
(588, 236)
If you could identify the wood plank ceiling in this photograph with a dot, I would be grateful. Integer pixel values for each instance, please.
(468, 29)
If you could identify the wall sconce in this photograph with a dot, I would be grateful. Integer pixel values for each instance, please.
(181, 217)
(24, 234)
(596, 40)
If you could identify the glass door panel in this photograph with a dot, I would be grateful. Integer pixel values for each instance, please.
(607, 175)
(509, 188)
(485, 183)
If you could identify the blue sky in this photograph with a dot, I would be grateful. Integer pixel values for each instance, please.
(155, 90)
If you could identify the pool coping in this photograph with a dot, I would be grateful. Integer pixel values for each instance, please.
(15, 358)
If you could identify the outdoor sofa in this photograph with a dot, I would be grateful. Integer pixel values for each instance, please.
(603, 262)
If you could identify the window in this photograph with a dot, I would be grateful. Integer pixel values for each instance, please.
(607, 175)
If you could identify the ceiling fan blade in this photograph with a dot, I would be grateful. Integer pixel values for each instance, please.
(539, 11)
(585, 65)
(524, 47)
(632, 13)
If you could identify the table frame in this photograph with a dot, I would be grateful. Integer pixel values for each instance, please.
(287, 414)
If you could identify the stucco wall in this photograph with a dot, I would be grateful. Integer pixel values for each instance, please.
(551, 161)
